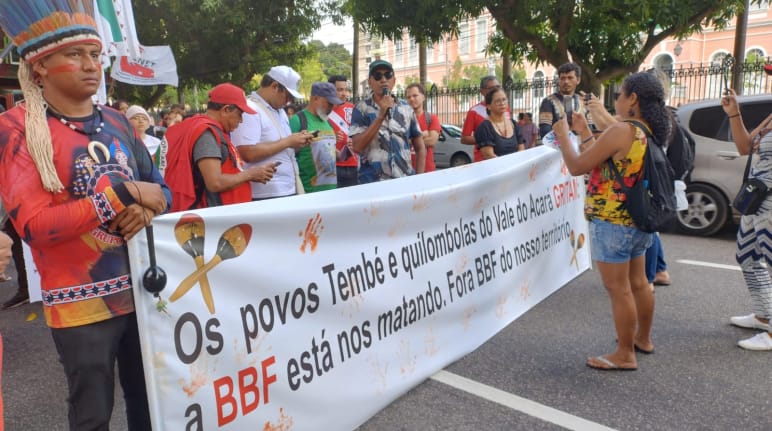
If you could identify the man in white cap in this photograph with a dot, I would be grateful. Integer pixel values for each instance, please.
(77, 184)
(266, 136)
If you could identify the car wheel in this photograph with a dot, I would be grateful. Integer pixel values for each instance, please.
(707, 213)
(459, 159)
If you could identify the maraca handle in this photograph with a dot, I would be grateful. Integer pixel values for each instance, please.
(206, 289)
(193, 278)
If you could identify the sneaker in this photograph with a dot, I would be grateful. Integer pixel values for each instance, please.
(18, 300)
(751, 322)
(760, 341)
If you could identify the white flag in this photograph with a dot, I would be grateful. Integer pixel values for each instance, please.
(154, 65)
(115, 23)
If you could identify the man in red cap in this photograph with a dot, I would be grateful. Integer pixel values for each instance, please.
(203, 168)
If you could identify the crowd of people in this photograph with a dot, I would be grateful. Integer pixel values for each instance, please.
(78, 180)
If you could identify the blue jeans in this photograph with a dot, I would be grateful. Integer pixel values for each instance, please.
(655, 259)
(616, 243)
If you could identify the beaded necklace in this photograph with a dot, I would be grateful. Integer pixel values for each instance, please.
(81, 130)
(502, 133)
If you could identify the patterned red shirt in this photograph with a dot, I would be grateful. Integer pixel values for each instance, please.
(84, 267)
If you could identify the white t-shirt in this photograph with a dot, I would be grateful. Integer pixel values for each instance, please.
(256, 128)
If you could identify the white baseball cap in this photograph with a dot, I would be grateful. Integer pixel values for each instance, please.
(287, 77)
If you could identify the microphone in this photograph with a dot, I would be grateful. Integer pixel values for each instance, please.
(386, 92)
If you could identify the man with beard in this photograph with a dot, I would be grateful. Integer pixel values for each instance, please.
(564, 102)
(317, 161)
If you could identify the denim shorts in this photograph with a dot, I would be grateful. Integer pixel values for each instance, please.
(615, 243)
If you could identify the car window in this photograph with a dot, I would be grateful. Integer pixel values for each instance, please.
(712, 122)
(709, 122)
(754, 113)
(452, 131)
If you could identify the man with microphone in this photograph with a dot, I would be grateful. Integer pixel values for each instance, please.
(383, 129)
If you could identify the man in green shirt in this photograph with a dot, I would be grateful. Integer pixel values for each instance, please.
(317, 161)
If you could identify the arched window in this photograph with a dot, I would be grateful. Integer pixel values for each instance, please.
(717, 59)
(538, 86)
(754, 79)
(755, 55)
(717, 74)
(664, 62)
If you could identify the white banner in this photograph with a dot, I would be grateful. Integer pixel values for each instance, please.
(154, 66)
(313, 312)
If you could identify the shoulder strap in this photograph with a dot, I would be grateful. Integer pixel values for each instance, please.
(303, 120)
(618, 176)
(748, 164)
(267, 114)
(613, 167)
(428, 120)
(645, 129)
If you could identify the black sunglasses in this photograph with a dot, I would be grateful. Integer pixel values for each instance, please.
(379, 75)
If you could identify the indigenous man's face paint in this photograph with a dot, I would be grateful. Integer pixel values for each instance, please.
(73, 71)
(64, 68)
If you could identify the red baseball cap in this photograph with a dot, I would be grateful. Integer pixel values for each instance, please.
(229, 94)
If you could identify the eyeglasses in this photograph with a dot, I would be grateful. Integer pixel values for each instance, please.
(500, 101)
(379, 75)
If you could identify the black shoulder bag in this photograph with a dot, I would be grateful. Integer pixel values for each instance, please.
(753, 191)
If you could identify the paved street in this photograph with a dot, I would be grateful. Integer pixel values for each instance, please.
(696, 380)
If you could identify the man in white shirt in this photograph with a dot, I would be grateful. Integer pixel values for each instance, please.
(266, 136)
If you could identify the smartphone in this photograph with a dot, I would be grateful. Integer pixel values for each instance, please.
(587, 97)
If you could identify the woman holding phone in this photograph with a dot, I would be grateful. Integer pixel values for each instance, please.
(754, 237)
(617, 245)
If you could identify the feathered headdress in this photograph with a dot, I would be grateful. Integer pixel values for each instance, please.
(39, 28)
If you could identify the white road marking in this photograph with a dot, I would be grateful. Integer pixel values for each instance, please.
(531, 408)
(709, 264)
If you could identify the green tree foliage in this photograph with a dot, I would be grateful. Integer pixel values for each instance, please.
(607, 38)
(335, 58)
(310, 70)
(470, 76)
(215, 41)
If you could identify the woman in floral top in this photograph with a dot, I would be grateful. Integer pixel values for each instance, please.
(617, 246)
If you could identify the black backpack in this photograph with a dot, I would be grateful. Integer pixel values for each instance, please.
(680, 151)
(651, 201)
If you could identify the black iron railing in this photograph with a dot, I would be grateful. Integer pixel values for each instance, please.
(687, 84)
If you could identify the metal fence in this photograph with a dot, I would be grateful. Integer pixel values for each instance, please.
(687, 84)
